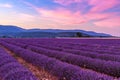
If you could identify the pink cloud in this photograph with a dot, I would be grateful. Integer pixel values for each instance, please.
(61, 15)
(101, 5)
(97, 5)
(99, 16)
(25, 17)
(67, 17)
(6, 5)
(67, 2)
(64, 16)
(111, 22)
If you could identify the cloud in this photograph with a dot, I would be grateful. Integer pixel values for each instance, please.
(110, 22)
(67, 2)
(6, 5)
(68, 17)
(99, 16)
(72, 16)
(58, 15)
(24, 20)
(62, 16)
(25, 17)
(96, 5)
(102, 5)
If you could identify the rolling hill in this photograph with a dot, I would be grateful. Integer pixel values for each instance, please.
(14, 31)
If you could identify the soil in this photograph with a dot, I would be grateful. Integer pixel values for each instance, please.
(40, 73)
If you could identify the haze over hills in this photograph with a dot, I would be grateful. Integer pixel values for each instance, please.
(14, 31)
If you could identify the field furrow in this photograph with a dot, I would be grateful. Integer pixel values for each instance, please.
(62, 59)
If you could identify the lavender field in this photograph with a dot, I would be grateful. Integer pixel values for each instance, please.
(59, 59)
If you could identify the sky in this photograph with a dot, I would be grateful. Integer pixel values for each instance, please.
(92, 15)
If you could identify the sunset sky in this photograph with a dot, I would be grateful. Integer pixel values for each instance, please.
(92, 15)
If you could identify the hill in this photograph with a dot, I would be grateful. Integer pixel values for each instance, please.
(14, 31)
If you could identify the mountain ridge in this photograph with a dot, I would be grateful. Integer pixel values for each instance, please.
(15, 31)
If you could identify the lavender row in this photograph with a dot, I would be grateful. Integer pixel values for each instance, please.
(108, 67)
(98, 65)
(90, 49)
(10, 69)
(84, 53)
(80, 42)
(62, 70)
(107, 57)
(78, 52)
(78, 47)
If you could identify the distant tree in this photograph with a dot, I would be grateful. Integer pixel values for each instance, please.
(4, 36)
(78, 34)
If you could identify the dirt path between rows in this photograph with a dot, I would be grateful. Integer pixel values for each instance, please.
(41, 74)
